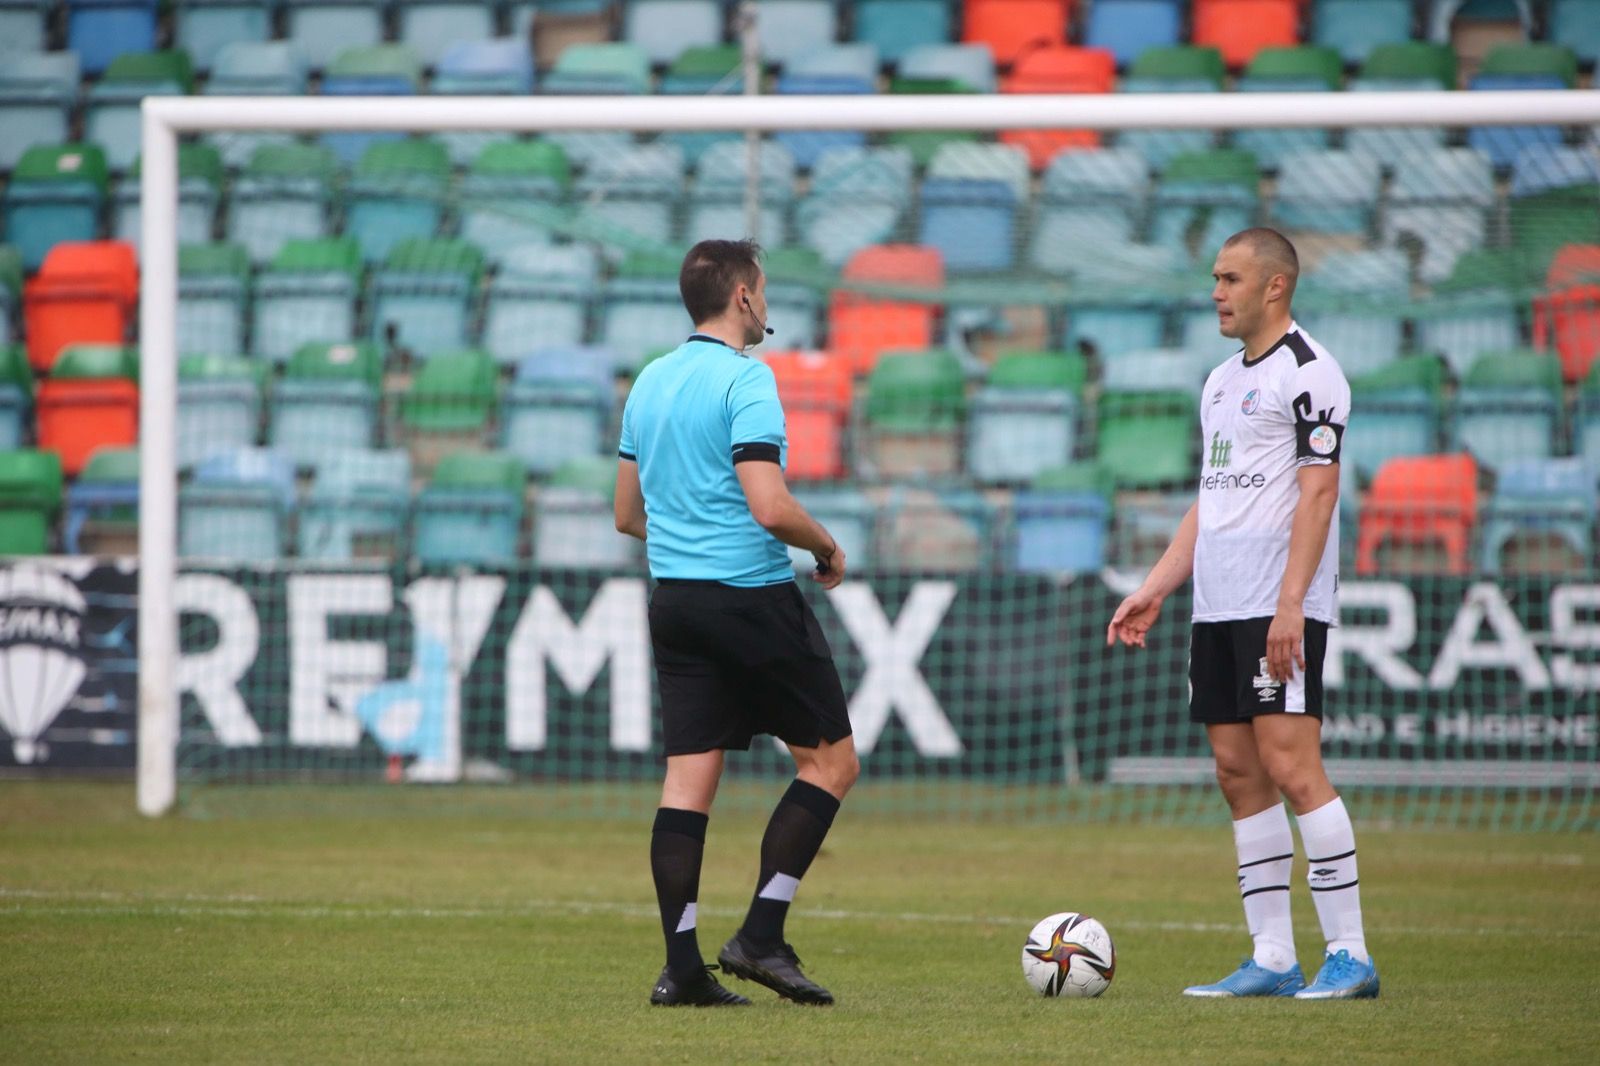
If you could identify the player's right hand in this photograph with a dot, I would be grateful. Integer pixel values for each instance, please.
(830, 570)
(1133, 619)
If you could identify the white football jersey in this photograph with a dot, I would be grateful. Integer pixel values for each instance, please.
(1260, 422)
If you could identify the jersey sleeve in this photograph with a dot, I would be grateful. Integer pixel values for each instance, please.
(626, 447)
(755, 416)
(1321, 406)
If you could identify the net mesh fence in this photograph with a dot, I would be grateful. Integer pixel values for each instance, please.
(404, 360)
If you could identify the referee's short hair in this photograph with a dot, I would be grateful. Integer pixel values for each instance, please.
(1274, 247)
(710, 272)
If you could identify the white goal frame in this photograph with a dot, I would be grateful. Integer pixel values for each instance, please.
(165, 118)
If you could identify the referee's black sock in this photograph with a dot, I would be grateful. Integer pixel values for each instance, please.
(793, 838)
(676, 846)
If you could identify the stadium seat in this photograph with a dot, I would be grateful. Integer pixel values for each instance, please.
(856, 198)
(358, 508)
(10, 291)
(1542, 168)
(200, 174)
(1025, 418)
(1573, 264)
(788, 29)
(662, 29)
(1086, 200)
(557, 407)
(817, 390)
(1391, 144)
(265, 68)
(1060, 525)
(421, 299)
(101, 30)
(327, 401)
(1349, 304)
(1175, 69)
(895, 27)
(84, 292)
(90, 400)
(287, 192)
(642, 311)
(1147, 440)
(1155, 370)
(833, 70)
(449, 406)
(1401, 407)
(716, 202)
(1575, 24)
(1123, 302)
(1442, 200)
(103, 505)
(512, 186)
(710, 69)
(1515, 67)
(213, 291)
(949, 531)
(398, 190)
(1586, 419)
(237, 507)
(1126, 28)
(1474, 310)
(1417, 503)
(1277, 70)
(433, 27)
(1569, 321)
(637, 190)
(111, 115)
(969, 65)
(796, 288)
(849, 515)
(1356, 27)
(30, 496)
(914, 409)
(202, 28)
(54, 195)
(1539, 508)
(861, 326)
(219, 406)
(1509, 407)
(1241, 28)
(321, 29)
(308, 295)
(1057, 69)
(1114, 326)
(1412, 61)
(1440, 15)
(575, 522)
(1011, 28)
(1328, 191)
(375, 70)
(1541, 225)
(16, 397)
(970, 199)
(614, 69)
(23, 24)
(471, 510)
(502, 66)
(1205, 197)
(541, 298)
(37, 93)
(922, 144)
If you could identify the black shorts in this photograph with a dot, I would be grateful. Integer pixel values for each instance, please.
(735, 662)
(1228, 679)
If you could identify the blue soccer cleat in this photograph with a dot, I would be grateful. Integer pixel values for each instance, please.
(1343, 977)
(1251, 980)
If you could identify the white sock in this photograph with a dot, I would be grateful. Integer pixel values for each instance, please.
(1266, 850)
(1331, 858)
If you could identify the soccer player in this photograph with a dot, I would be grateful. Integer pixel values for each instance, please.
(1262, 542)
(738, 651)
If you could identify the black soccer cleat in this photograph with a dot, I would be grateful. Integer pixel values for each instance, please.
(777, 967)
(701, 990)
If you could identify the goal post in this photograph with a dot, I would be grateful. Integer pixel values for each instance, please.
(167, 119)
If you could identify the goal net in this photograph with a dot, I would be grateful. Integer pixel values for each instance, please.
(381, 388)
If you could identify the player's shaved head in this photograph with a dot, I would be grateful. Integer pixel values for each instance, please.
(1272, 249)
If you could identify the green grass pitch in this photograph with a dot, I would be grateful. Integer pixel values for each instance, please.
(337, 925)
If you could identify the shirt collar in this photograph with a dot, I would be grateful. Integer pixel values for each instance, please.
(1294, 327)
(710, 340)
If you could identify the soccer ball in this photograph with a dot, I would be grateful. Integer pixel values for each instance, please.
(1069, 954)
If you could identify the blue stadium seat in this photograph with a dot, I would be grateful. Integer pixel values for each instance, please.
(1509, 407)
(1015, 433)
(1502, 143)
(37, 92)
(1441, 13)
(541, 298)
(1160, 147)
(642, 315)
(421, 299)
(470, 512)
(502, 66)
(237, 507)
(55, 194)
(287, 192)
(970, 64)
(432, 27)
(1279, 70)
(1155, 370)
(558, 407)
(1390, 144)
(1128, 27)
(1355, 27)
(1542, 168)
(111, 115)
(219, 407)
(101, 30)
(716, 204)
(321, 29)
(204, 27)
(1328, 191)
(1087, 200)
(1060, 531)
(789, 29)
(637, 191)
(1443, 200)
(857, 198)
(1348, 304)
(664, 28)
(107, 491)
(398, 191)
(896, 27)
(1576, 24)
(378, 70)
(835, 70)
(301, 303)
(265, 68)
(358, 507)
(1541, 499)
(969, 205)
(22, 25)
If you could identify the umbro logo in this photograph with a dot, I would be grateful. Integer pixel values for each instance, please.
(1216, 397)
(1326, 871)
(661, 990)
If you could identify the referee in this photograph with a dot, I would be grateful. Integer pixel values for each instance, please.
(737, 650)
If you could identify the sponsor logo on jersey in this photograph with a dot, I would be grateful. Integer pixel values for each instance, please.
(1221, 451)
(1251, 402)
(1323, 440)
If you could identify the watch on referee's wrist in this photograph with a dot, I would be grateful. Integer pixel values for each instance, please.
(825, 559)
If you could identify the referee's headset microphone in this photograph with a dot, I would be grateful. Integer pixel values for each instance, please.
(752, 310)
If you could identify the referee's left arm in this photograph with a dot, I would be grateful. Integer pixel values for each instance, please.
(628, 500)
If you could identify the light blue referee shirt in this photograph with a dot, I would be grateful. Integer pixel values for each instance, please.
(691, 416)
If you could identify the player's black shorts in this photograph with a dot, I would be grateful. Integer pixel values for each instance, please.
(735, 662)
(1228, 679)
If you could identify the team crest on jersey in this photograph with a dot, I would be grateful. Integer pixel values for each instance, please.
(1323, 440)
(1252, 401)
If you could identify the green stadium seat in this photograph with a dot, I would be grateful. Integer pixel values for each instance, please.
(1171, 69)
(1025, 418)
(924, 144)
(103, 505)
(914, 410)
(286, 192)
(308, 295)
(1586, 419)
(1214, 193)
(1413, 61)
(111, 116)
(358, 507)
(219, 406)
(37, 94)
(632, 195)
(449, 406)
(1532, 59)
(30, 496)
(1147, 440)
(16, 397)
(213, 291)
(700, 71)
(421, 299)
(512, 188)
(613, 68)
(55, 194)
(1509, 407)
(398, 190)
(1180, 63)
(200, 174)
(1402, 407)
(574, 522)
(1307, 68)
(372, 70)
(1542, 224)
(327, 401)
(471, 510)
(1476, 309)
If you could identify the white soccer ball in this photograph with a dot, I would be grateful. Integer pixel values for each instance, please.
(1069, 954)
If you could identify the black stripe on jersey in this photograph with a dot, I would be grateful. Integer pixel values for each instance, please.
(1270, 888)
(1273, 858)
(1302, 351)
(1328, 888)
(1318, 440)
(630, 458)
(756, 451)
(1332, 858)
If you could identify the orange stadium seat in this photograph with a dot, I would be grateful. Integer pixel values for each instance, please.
(90, 402)
(1574, 264)
(1569, 321)
(1417, 501)
(85, 292)
(1059, 69)
(1241, 28)
(860, 327)
(1011, 27)
(817, 390)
